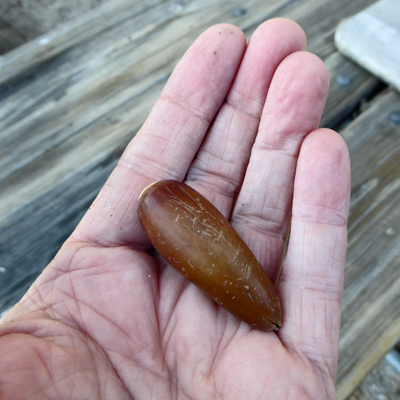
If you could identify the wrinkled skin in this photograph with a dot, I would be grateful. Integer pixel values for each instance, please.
(108, 319)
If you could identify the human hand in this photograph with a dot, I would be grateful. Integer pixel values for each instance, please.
(110, 319)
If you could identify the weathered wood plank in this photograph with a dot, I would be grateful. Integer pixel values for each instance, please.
(53, 79)
(319, 20)
(315, 18)
(370, 323)
(114, 18)
(104, 17)
(372, 39)
(9, 38)
(162, 27)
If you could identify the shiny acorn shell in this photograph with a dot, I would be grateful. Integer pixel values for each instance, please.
(199, 242)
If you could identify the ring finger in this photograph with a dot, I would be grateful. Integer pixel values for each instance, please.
(293, 108)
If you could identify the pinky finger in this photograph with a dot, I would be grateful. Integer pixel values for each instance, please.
(311, 282)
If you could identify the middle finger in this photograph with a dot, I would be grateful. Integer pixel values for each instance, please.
(293, 108)
(220, 165)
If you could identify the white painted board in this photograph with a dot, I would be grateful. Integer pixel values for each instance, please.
(372, 39)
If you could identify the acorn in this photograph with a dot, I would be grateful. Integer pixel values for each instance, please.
(199, 242)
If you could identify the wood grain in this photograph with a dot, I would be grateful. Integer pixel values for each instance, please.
(108, 15)
(372, 39)
(370, 324)
(9, 38)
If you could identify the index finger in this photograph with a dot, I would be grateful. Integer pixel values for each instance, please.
(169, 139)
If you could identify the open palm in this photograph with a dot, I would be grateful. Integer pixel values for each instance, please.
(109, 319)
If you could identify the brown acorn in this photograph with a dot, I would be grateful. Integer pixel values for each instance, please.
(198, 241)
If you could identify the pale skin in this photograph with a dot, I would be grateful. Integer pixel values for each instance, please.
(109, 319)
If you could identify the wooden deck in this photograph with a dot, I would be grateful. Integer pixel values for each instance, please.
(71, 100)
